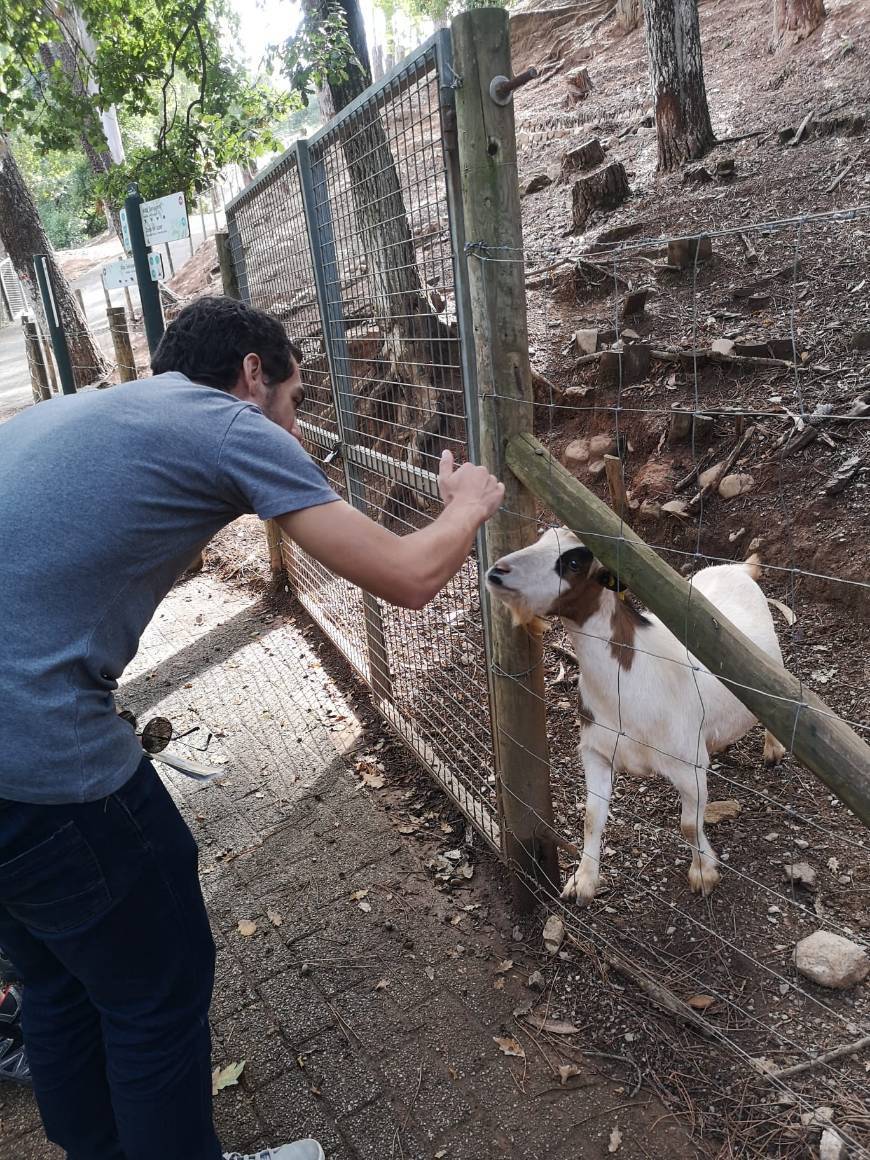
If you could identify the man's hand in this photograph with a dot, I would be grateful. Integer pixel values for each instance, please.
(406, 570)
(470, 485)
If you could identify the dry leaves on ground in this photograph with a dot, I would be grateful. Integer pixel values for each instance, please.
(509, 1046)
(224, 1077)
(247, 927)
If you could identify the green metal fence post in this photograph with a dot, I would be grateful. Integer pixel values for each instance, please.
(149, 291)
(55, 325)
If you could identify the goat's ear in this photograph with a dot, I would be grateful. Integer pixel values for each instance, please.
(608, 580)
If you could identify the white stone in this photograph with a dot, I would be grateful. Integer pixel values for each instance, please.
(586, 340)
(734, 485)
(722, 346)
(801, 874)
(832, 1146)
(576, 453)
(601, 445)
(831, 960)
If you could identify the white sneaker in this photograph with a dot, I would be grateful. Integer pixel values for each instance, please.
(300, 1150)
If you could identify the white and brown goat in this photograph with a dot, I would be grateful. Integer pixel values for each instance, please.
(647, 705)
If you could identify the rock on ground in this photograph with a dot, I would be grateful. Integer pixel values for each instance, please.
(831, 960)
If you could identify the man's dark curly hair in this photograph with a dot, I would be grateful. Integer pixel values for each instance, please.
(209, 339)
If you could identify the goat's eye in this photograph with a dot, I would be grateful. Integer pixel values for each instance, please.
(574, 564)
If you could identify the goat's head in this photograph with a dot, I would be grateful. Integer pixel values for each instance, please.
(557, 576)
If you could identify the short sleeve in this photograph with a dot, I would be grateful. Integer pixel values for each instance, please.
(266, 471)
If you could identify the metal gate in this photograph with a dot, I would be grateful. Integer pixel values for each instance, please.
(352, 238)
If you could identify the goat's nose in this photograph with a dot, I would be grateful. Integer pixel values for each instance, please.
(497, 571)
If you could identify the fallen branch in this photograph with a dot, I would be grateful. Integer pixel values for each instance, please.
(658, 992)
(740, 137)
(801, 129)
(841, 175)
(723, 470)
(705, 461)
(820, 1060)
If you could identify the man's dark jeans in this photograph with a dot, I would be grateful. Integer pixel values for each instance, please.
(102, 914)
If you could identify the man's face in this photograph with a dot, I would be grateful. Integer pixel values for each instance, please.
(279, 401)
(283, 400)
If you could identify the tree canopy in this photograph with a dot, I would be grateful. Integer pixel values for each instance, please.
(169, 59)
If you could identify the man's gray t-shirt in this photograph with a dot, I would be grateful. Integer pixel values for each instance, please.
(105, 498)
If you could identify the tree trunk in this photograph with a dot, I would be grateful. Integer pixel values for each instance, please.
(414, 392)
(23, 235)
(629, 14)
(100, 160)
(794, 20)
(676, 68)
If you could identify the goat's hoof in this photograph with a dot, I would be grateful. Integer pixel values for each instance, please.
(579, 888)
(703, 880)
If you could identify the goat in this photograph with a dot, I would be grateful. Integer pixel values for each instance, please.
(646, 705)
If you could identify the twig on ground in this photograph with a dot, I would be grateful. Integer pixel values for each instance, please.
(826, 1057)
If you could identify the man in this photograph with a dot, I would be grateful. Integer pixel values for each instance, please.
(104, 498)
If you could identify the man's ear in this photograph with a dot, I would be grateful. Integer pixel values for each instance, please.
(608, 580)
(250, 376)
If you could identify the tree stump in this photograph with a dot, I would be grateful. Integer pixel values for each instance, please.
(620, 368)
(584, 156)
(605, 189)
(629, 15)
(685, 252)
(795, 20)
(578, 85)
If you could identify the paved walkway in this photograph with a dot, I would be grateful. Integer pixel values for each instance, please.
(366, 1001)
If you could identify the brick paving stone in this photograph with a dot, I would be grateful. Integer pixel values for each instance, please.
(289, 1111)
(379, 1130)
(298, 1007)
(338, 1066)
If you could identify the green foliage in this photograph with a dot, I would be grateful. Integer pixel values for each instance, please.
(163, 59)
(62, 186)
(436, 10)
(318, 54)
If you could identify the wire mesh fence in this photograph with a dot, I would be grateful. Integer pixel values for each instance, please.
(349, 239)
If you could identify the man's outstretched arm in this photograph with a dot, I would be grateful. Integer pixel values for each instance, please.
(404, 570)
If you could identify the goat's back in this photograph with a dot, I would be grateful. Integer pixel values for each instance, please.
(738, 597)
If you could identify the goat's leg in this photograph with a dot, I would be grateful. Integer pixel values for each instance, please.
(691, 784)
(583, 883)
(774, 752)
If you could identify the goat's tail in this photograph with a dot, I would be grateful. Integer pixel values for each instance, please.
(753, 566)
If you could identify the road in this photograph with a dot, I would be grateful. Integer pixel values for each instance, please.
(15, 390)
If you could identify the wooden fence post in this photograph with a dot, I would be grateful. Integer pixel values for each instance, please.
(35, 361)
(494, 263)
(120, 333)
(230, 282)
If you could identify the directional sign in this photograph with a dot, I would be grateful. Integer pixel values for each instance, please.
(155, 265)
(165, 219)
(120, 273)
(125, 233)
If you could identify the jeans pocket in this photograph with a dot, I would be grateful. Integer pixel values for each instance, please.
(56, 885)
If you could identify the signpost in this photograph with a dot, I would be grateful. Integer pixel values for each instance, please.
(125, 232)
(120, 273)
(155, 265)
(149, 294)
(165, 219)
